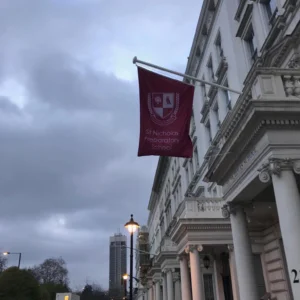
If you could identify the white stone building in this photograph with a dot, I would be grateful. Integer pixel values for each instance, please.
(225, 224)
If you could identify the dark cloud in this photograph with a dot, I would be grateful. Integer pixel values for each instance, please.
(69, 174)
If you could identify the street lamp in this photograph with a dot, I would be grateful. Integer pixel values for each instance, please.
(131, 226)
(125, 277)
(18, 253)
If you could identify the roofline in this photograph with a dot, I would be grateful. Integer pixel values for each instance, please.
(197, 35)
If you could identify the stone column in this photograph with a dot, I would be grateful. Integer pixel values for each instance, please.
(233, 275)
(165, 288)
(185, 278)
(170, 289)
(243, 252)
(150, 294)
(288, 208)
(145, 294)
(218, 278)
(153, 292)
(196, 274)
(177, 290)
(157, 290)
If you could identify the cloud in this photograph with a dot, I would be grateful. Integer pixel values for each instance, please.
(69, 122)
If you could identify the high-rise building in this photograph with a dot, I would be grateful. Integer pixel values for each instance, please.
(117, 264)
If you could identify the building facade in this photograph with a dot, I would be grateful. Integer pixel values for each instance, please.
(142, 261)
(224, 224)
(117, 265)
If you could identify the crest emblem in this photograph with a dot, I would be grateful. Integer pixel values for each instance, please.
(163, 107)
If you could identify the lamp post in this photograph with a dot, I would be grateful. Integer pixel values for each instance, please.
(131, 226)
(125, 277)
(18, 253)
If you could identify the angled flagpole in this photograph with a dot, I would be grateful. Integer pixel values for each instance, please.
(135, 61)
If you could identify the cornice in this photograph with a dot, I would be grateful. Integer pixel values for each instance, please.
(159, 179)
(261, 116)
(192, 65)
(184, 228)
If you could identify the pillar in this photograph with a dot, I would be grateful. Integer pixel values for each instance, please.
(185, 278)
(145, 294)
(165, 294)
(288, 207)
(196, 274)
(150, 293)
(157, 290)
(243, 254)
(177, 289)
(233, 275)
(218, 279)
(170, 289)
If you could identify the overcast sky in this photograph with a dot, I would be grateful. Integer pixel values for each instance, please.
(69, 122)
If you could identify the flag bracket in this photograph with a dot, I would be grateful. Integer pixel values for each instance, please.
(137, 61)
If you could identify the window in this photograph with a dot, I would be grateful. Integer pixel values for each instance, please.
(187, 175)
(227, 96)
(250, 42)
(66, 297)
(208, 287)
(208, 131)
(191, 167)
(169, 214)
(216, 115)
(162, 227)
(218, 44)
(211, 70)
(271, 7)
(179, 191)
(215, 193)
(203, 91)
(260, 281)
(196, 158)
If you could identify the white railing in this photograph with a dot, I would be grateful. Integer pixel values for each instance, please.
(201, 207)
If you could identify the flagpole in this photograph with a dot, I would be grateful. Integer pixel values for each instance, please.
(135, 61)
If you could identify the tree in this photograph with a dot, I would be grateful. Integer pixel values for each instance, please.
(16, 284)
(3, 262)
(93, 292)
(52, 270)
(53, 288)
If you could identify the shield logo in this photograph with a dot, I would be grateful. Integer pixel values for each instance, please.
(163, 104)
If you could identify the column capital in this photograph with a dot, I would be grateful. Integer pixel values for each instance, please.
(191, 248)
(167, 270)
(274, 166)
(182, 257)
(230, 247)
(230, 208)
(176, 277)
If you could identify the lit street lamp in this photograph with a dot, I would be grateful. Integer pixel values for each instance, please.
(131, 226)
(18, 253)
(125, 277)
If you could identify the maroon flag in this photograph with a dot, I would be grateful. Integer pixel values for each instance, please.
(165, 114)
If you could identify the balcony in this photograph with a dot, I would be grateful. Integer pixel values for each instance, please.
(201, 207)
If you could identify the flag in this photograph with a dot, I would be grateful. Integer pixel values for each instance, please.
(165, 113)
